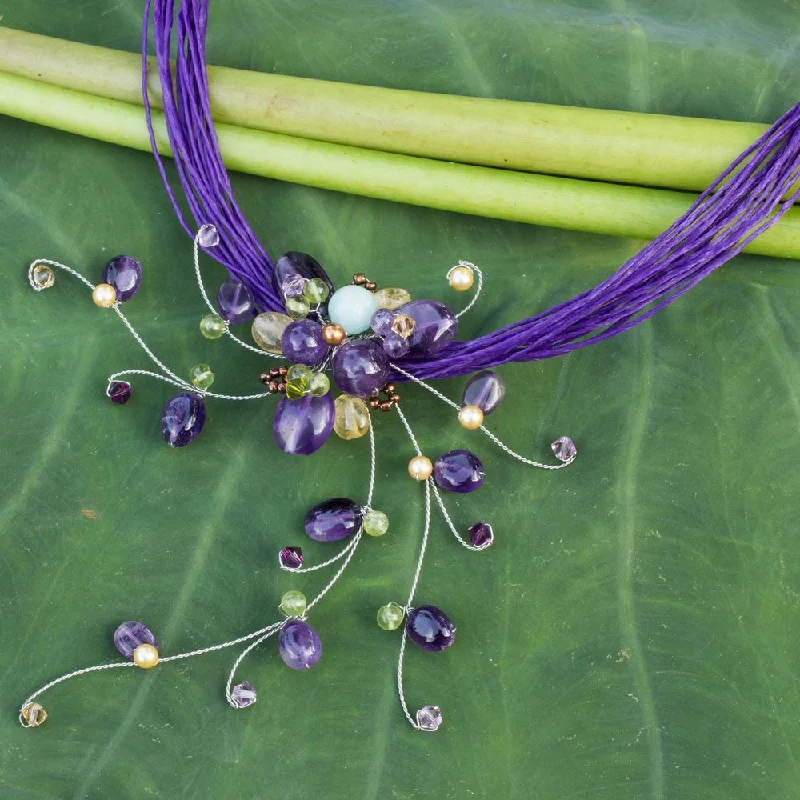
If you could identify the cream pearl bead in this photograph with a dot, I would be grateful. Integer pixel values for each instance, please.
(461, 278)
(420, 468)
(104, 295)
(145, 656)
(470, 417)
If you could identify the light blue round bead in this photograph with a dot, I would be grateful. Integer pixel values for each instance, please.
(352, 307)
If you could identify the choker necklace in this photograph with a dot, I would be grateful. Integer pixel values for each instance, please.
(368, 341)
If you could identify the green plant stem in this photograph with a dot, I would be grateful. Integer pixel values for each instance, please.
(483, 191)
(623, 147)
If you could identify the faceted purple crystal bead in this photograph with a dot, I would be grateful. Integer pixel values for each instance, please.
(430, 628)
(299, 645)
(119, 392)
(481, 535)
(182, 419)
(458, 471)
(129, 635)
(360, 367)
(429, 718)
(243, 695)
(564, 449)
(435, 326)
(302, 426)
(484, 389)
(293, 270)
(291, 557)
(302, 342)
(125, 275)
(334, 520)
(381, 321)
(235, 302)
(395, 346)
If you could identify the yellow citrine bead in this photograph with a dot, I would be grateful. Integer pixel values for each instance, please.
(32, 715)
(392, 298)
(351, 417)
(268, 330)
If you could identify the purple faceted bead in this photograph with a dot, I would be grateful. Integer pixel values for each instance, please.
(381, 321)
(182, 419)
(293, 270)
(291, 557)
(125, 275)
(429, 718)
(302, 342)
(435, 326)
(564, 449)
(235, 302)
(299, 645)
(119, 392)
(480, 535)
(129, 635)
(458, 471)
(395, 346)
(430, 628)
(243, 695)
(333, 520)
(360, 367)
(302, 426)
(484, 389)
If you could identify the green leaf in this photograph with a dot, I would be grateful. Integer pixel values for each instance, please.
(630, 634)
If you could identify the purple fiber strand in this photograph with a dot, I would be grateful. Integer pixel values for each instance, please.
(750, 196)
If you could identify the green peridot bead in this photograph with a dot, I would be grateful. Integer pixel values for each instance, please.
(319, 385)
(297, 307)
(213, 326)
(299, 372)
(296, 389)
(390, 617)
(293, 603)
(376, 523)
(316, 291)
(201, 376)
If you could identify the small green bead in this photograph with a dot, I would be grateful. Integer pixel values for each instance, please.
(376, 523)
(213, 326)
(296, 389)
(316, 291)
(297, 307)
(390, 617)
(319, 385)
(201, 376)
(293, 603)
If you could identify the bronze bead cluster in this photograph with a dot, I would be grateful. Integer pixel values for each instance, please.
(360, 279)
(392, 398)
(275, 380)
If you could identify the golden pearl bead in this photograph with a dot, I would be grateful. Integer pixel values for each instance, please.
(333, 334)
(145, 656)
(470, 417)
(420, 468)
(104, 295)
(461, 278)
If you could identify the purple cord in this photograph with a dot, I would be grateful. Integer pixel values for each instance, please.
(747, 198)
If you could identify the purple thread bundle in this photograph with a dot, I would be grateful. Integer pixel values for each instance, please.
(745, 200)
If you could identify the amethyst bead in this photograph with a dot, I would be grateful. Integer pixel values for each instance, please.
(360, 367)
(484, 389)
(243, 695)
(129, 635)
(564, 449)
(334, 520)
(299, 645)
(430, 628)
(125, 275)
(302, 426)
(235, 302)
(293, 270)
(458, 471)
(435, 326)
(481, 535)
(182, 419)
(302, 342)
(395, 346)
(381, 321)
(291, 557)
(119, 392)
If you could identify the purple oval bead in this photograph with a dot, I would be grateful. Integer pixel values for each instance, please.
(435, 326)
(125, 275)
(395, 346)
(333, 520)
(292, 270)
(302, 342)
(182, 419)
(458, 471)
(360, 367)
(302, 426)
(484, 389)
(235, 302)
(129, 635)
(299, 645)
(430, 628)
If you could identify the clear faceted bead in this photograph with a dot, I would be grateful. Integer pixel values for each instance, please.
(243, 695)
(403, 325)
(392, 298)
(351, 417)
(208, 236)
(564, 449)
(43, 277)
(429, 718)
(33, 715)
(268, 331)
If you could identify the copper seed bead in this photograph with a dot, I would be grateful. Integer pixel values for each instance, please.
(370, 286)
(389, 388)
(359, 279)
(386, 405)
(281, 387)
(394, 397)
(264, 378)
(470, 417)
(273, 387)
(145, 656)
(420, 468)
(282, 370)
(374, 402)
(333, 334)
(104, 295)
(461, 278)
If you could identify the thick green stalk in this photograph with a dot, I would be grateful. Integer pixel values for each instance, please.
(623, 147)
(483, 191)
